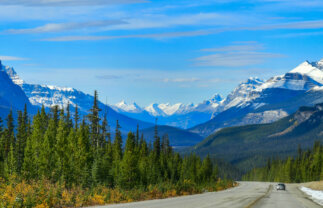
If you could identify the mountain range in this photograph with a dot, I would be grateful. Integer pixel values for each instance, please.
(177, 115)
(17, 92)
(256, 101)
(252, 145)
(253, 101)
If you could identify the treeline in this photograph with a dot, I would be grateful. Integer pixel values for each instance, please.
(68, 150)
(306, 166)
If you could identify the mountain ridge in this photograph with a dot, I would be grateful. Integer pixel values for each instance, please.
(268, 101)
(49, 95)
(249, 145)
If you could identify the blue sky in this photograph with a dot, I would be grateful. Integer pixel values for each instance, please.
(157, 51)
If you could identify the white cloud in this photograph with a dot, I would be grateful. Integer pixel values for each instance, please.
(152, 36)
(181, 80)
(318, 24)
(235, 48)
(235, 56)
(52, 27)
(12, 58)
(166, 21)
(235, 59)
(144, 22)
(68, 2)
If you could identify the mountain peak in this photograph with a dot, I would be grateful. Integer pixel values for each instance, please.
(12, 74)
(253, 80)
(216, 98)
(124, 106)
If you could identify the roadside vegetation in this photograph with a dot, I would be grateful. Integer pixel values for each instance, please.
(59, 160)
(315, 185)
(305, 167)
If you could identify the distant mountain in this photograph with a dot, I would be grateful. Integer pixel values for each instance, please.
(255, 101)
(48, 96)
(11, 95)
(178, 137)
(251, 145)
(177, 115)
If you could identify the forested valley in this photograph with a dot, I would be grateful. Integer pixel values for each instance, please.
(58, 159)
(306, 166)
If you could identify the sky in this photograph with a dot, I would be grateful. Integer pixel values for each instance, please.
(157, 51)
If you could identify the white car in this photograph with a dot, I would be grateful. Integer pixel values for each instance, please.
(281, 186)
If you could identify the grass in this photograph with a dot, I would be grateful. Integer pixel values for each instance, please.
(315, 185)
(43, 194)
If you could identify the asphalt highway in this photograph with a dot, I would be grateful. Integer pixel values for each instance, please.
(246, 195)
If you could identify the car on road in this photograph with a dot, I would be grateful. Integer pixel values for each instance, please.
(280, 186)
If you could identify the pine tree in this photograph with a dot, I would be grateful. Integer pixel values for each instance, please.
(61, 150)
(21, 138)
(206, 169)
(9, 137)
(83, 156)
(128, 176)
(76, 118)
(117, 144)
(47, 154)
(29, 171)
(10, 165)
(94, 120)
(117, 151)
(33, 146)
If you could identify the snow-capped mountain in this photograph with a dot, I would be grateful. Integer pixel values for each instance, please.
(125, 107)
(178, 115)
(255, 101)
(242, 94)
(12, 96)
(49, 96)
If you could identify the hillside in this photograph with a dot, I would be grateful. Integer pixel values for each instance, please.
(178, 137)
(11, 96)
(251, 145)
(256, 102)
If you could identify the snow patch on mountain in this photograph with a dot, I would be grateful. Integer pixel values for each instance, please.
(154, 110)
(304, 77)
(264, 117)
(49, 95)
(167, 109)
(242, 94)
(125, 107)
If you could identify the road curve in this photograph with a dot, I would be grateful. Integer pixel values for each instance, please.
(246, 195)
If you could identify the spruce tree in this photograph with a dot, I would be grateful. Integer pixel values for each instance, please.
(94, 120)
(21, 139)
(76, 118)
(9, 137)
(128, 176)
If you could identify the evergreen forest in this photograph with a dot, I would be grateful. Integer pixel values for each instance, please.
(306, 166)
(60, 159)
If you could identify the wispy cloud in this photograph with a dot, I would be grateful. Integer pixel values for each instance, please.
(144, 22)
(252, 47)
(318, 24)
(53, 27)
(235, 56)
(68, 2)
(314, 24)
(292, 35)
(182, 80)
(149, 21)
(12, 58)
(152, 36)
(109, 77)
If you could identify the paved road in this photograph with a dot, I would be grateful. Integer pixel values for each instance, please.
(246, 195)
